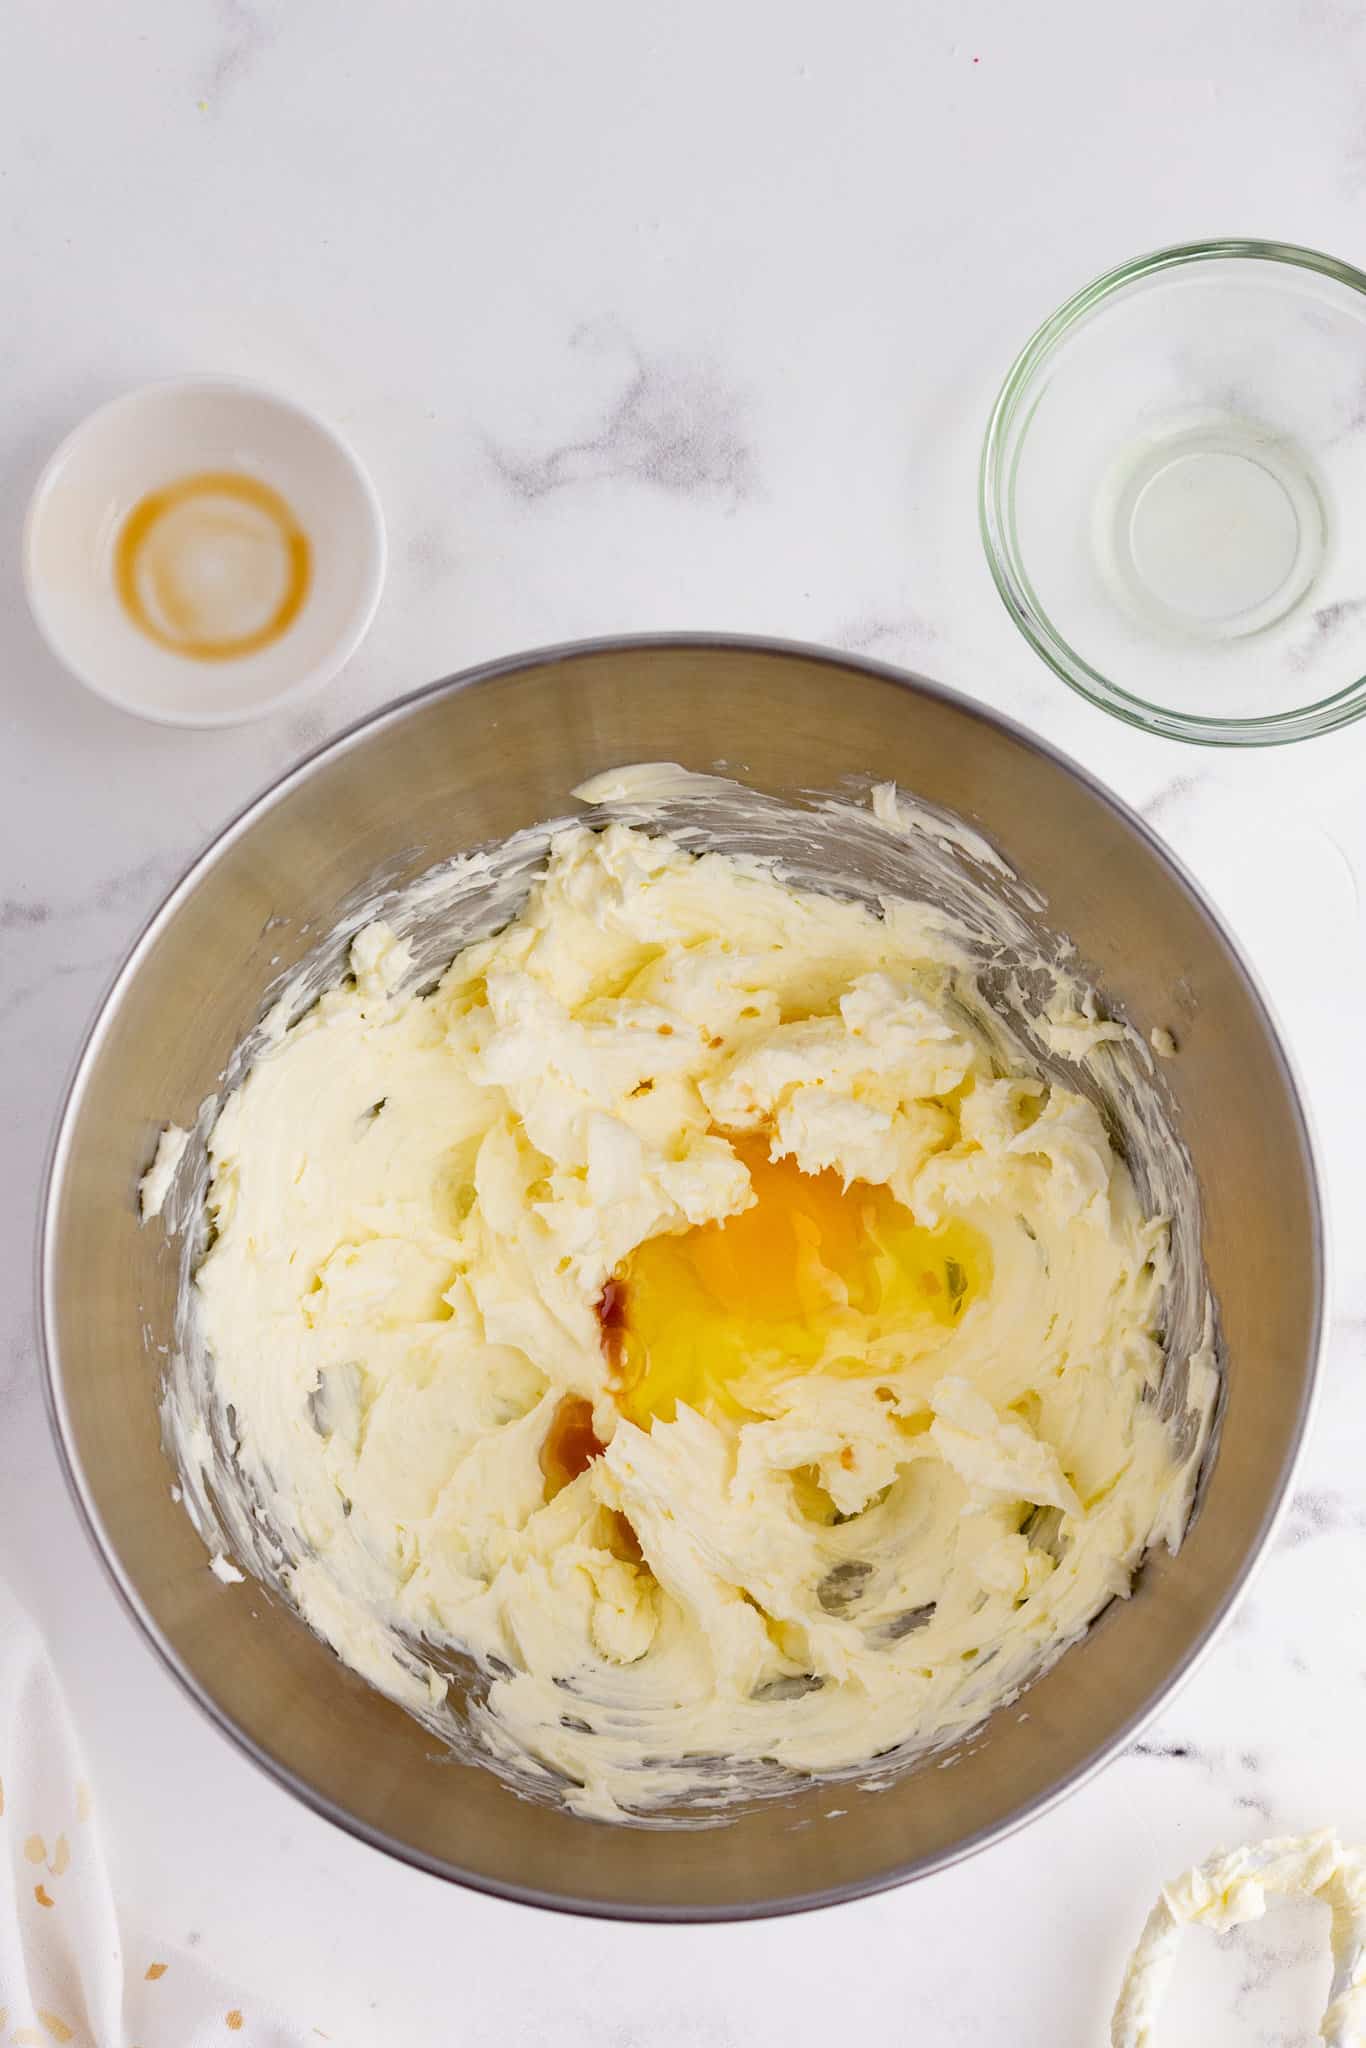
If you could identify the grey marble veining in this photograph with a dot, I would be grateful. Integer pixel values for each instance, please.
(245, 33)
(673, 423)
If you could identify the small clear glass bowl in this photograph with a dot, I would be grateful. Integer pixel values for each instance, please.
(1173, 492)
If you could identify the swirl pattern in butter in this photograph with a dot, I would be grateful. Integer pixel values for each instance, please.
(683, 1318)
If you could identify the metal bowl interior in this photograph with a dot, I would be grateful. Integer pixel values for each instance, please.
(470, 761)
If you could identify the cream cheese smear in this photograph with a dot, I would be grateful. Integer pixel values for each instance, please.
(697, 1314)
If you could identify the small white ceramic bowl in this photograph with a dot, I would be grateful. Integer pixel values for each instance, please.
(147, 441)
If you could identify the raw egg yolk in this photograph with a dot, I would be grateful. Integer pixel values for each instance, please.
(809, 1274)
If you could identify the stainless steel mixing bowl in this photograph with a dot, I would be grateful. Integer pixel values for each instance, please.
(472, 760)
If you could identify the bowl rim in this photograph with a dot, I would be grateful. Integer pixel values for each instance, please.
(292, 1782)
(369, 588)
(996, 517)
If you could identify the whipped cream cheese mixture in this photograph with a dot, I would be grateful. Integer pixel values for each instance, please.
(684, 1317)
(1233, 1888)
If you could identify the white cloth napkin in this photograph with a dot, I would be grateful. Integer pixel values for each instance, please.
(69, 1971)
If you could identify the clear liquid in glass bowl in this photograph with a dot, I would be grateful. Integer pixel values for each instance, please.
(1174, 492)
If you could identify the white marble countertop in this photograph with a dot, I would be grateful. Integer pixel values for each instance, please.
(647, 316)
